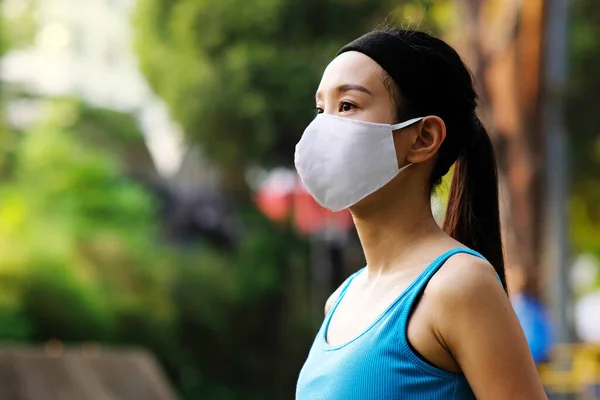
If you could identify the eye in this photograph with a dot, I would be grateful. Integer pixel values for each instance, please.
(318, 110)
(346, 106)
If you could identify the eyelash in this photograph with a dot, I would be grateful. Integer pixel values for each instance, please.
(346, 103)
(319, 110)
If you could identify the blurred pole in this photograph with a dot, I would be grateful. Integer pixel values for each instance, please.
(557, 164)
(557, 174)
(336, 254)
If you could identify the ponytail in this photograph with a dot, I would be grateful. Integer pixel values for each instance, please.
(473, 215)
(428, 77)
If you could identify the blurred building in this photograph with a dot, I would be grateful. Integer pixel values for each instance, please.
(84, 49)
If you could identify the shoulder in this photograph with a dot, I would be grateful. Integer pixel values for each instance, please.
(465, 289)
(466, 293)
(474, 319)
(465, 278)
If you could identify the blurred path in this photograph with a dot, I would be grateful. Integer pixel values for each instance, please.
(87, 373)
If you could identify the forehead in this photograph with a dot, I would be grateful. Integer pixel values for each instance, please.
(353, 68)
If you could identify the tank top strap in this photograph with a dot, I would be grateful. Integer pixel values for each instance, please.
(413, 293)
(419, 284)
(344, 287)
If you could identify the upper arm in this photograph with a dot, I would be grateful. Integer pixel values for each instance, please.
(482, 332)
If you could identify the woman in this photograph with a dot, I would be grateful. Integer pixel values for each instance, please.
(428, 317)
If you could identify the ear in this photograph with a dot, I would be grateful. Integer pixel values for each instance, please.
(430, 134)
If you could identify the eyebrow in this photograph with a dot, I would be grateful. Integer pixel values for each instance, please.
(349, 87)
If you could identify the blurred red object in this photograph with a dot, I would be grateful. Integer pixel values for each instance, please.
(275, 205)
(282, 195)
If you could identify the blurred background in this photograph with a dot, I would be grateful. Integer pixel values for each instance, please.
(155, 241)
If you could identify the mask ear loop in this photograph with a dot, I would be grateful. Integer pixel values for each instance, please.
(401, 126)
(403, 168)
(406, 123)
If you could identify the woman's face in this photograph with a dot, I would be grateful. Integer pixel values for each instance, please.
(353, 87)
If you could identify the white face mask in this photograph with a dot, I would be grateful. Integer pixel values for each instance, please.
(341, 161)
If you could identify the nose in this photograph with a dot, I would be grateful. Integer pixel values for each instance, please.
(329, 108)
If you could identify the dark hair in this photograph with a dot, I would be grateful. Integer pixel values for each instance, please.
(431, 79)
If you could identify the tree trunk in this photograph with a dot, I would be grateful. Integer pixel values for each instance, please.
(502, 43)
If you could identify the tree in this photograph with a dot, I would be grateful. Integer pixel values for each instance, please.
(582, 118)
(78, 237)
(19, 23)
(17, 30)
(502, 42)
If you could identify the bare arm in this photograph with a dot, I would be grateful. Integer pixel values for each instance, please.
(483, 334)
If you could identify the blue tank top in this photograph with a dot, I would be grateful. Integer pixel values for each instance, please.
(379, 363)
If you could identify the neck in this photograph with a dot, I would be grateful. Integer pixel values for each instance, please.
(388, 230)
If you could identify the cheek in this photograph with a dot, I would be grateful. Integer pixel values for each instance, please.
(386, 112)
(378, 110)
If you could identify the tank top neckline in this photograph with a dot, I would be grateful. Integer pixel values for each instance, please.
(323, 335)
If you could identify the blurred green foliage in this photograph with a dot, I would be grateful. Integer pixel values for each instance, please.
(3, 40)
(18, 23)
(582, 104)
(3, 47)
(244, 317)
(74, 231)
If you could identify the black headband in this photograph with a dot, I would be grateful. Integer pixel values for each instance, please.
(389, 51)
(382, 47)
(403, 62)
